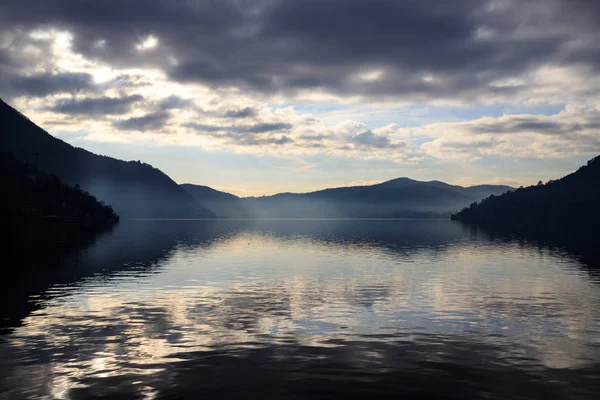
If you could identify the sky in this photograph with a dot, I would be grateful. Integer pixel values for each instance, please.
(264, 96)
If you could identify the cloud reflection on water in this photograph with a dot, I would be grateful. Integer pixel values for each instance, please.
(299, 293)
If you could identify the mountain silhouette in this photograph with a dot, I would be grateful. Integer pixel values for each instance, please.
(223, 204)
(402, 197)
(567, 208)
(133, 188)
(38, 210)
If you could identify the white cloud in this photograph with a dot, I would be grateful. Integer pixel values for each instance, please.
(236, 121)
(575, 131)
(147, 44)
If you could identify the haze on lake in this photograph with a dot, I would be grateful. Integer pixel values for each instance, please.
(298, 308)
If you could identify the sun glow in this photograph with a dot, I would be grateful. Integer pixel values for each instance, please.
(147, 44)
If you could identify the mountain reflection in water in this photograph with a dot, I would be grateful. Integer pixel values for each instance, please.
(286, 309)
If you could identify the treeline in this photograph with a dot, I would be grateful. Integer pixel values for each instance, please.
(567, 206)
(38, 208)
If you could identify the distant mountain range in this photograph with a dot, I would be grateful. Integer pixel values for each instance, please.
(569, 207)
(137, 190)
(402, 197)
(134, 189)
(223, 204)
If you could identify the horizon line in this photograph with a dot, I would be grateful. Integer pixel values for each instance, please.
(232, 192)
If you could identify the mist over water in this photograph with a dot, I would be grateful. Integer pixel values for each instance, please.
(320, 308)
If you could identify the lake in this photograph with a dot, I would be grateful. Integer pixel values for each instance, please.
(302, 308)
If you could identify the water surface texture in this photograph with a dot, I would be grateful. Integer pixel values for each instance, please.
(304, 308)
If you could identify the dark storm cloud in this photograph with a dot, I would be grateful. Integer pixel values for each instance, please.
(174, 102)
(253, 141)
(26, 68)
(518, 126)
(204, 127)
(243, 113)
(96, 106)
(315, 137)
(536, 126)
(468, 147)
(252, 129)
(148, 122)
(45, 84)
(264, 127)
(5, 58)
(540, 125)
(251, 135)
(287, 45)
(258, 134)
(369, 139)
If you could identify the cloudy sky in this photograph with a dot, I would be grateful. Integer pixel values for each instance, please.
(263, 96)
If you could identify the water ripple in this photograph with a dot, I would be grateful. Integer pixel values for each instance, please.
(293, 311)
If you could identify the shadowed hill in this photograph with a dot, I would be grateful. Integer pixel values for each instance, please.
(134, 189)
(221, 203)
(38, 210)
(568, 207)
(402, 197)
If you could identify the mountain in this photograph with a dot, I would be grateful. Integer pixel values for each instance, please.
(38, 209)
(402, 197)
(567, 206)
(133, 188)
(221, 203)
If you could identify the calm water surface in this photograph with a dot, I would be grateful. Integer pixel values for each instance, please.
(293, 309)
